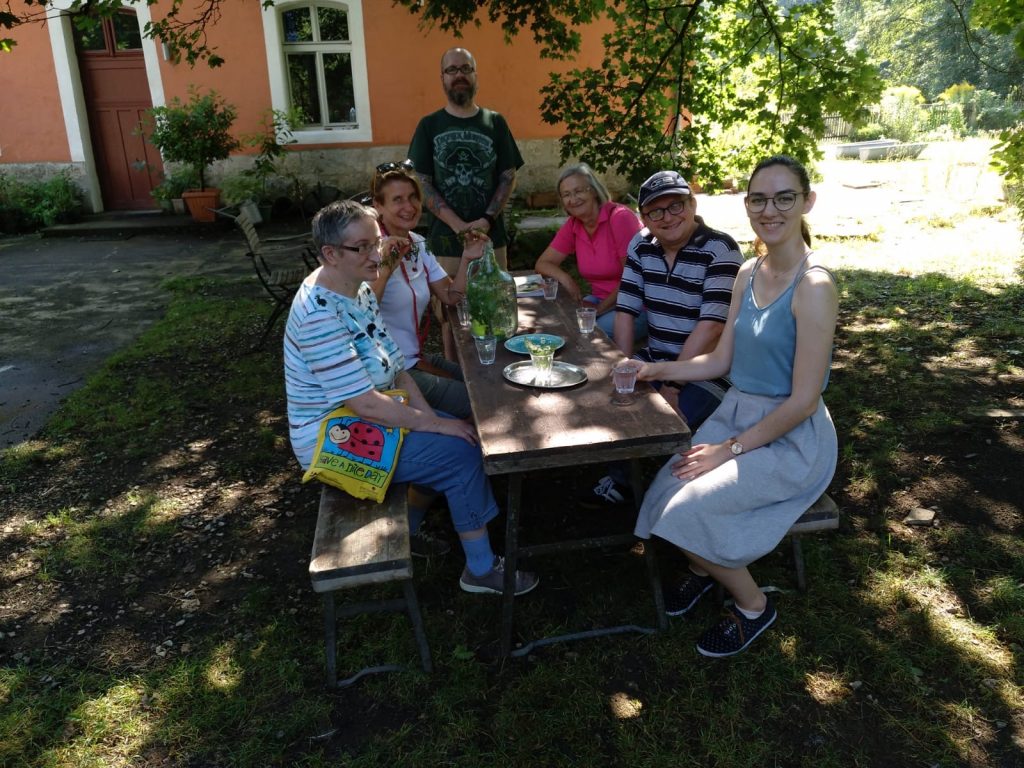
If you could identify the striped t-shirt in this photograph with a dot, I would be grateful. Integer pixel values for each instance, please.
(335, 348)
(698, 287)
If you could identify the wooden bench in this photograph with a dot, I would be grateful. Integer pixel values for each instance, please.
(359, 543)
(822, 516)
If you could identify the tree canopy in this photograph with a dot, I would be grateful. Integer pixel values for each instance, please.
(676, 76)
(931, 44)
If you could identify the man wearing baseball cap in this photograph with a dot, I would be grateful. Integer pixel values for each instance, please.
(681, 272)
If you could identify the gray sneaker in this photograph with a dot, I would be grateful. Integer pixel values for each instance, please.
(493, 581)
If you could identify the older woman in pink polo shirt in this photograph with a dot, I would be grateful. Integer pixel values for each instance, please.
(598, 232)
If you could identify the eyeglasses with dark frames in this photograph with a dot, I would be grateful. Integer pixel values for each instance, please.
(465, 69)
(657, 214)
(365, 249)
(783, 201)
(405, 165)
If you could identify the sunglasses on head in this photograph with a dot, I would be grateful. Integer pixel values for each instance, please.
(405, 165)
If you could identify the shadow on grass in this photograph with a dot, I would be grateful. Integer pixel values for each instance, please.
(157, 607)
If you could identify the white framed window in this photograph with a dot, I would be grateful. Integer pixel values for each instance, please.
(316, 58)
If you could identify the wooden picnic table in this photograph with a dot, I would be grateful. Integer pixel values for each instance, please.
(523, 429)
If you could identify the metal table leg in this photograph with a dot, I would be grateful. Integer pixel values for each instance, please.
(515, 488)
(636, 481)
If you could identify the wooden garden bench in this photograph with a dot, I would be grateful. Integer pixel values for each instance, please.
(360, 543)
(822, 516)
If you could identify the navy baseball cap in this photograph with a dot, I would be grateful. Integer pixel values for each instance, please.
(660, 184)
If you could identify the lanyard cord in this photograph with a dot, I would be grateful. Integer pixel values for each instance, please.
(421, 332)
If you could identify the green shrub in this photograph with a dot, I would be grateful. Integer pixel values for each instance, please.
(28, 205)
(1008, 159)
(176, 182)
(949, 116)
(900, 112)
(867, 132)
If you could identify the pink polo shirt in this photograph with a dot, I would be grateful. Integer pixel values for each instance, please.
(600, 257)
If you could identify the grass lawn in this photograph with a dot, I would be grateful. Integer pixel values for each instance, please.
(156, 609)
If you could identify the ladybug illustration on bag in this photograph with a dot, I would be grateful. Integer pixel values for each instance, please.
(359, 439)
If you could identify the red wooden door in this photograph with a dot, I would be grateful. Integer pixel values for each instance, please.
(116, 97)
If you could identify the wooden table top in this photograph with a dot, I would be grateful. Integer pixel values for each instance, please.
(524, 428)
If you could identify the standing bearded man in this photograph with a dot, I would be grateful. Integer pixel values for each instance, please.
(466, 160)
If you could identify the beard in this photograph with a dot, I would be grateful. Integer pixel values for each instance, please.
(461, 96)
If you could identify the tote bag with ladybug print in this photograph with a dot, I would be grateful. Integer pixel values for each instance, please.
(357, 456)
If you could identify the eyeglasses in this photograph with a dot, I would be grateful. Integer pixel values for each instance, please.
(657, 214)
(571, 193)
(783, 201)
(365, 249)
(465, 69)
(405, 165)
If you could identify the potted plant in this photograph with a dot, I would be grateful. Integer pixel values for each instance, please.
(243, 190)
(169, 191)
(270, 143)
(196, 134)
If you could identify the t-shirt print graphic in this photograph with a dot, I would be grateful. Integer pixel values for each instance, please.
(464, 163)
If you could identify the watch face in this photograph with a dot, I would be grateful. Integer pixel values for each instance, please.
(737, 448)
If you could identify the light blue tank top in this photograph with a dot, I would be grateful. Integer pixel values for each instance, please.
(765, 342)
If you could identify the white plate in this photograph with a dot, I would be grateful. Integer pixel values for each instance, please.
(529, 285)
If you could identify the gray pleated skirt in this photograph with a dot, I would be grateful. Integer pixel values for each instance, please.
(740, 511)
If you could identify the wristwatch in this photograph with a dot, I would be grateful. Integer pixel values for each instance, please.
(735, 446)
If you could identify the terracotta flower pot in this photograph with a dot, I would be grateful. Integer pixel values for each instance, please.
(201, 202)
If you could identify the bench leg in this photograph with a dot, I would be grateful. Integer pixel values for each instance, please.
(330, 640)
(798, 561)
(655, 578)
(413, 607)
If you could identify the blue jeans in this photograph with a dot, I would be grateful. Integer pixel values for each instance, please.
(451, 466)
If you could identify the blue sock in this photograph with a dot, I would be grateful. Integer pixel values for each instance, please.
(416, 515)
(479, 557)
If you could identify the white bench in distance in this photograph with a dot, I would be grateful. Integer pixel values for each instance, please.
(358, 543)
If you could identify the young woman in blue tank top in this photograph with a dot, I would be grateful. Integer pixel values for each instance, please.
(769, 450)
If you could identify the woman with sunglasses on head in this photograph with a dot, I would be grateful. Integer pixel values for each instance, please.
(337, 351)
(598, 231)
(769, 450)
(409, 276)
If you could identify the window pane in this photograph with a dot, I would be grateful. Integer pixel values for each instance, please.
(298, 25)
(127, 36)
(89, 33)
(341, 104)
(333, 24)
(302, 78)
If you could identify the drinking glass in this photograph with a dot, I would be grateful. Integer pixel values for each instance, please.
(624, 379)
(462, 308)
(542, 361)
(585, 319)
(486, 346)
(550, 288)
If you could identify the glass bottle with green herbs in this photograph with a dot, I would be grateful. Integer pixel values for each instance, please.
(491, 293)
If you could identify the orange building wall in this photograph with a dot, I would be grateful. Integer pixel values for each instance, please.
(404, 65)
(242, 79)
(31, 122)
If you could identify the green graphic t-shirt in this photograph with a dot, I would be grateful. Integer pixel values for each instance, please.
(465, 157)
